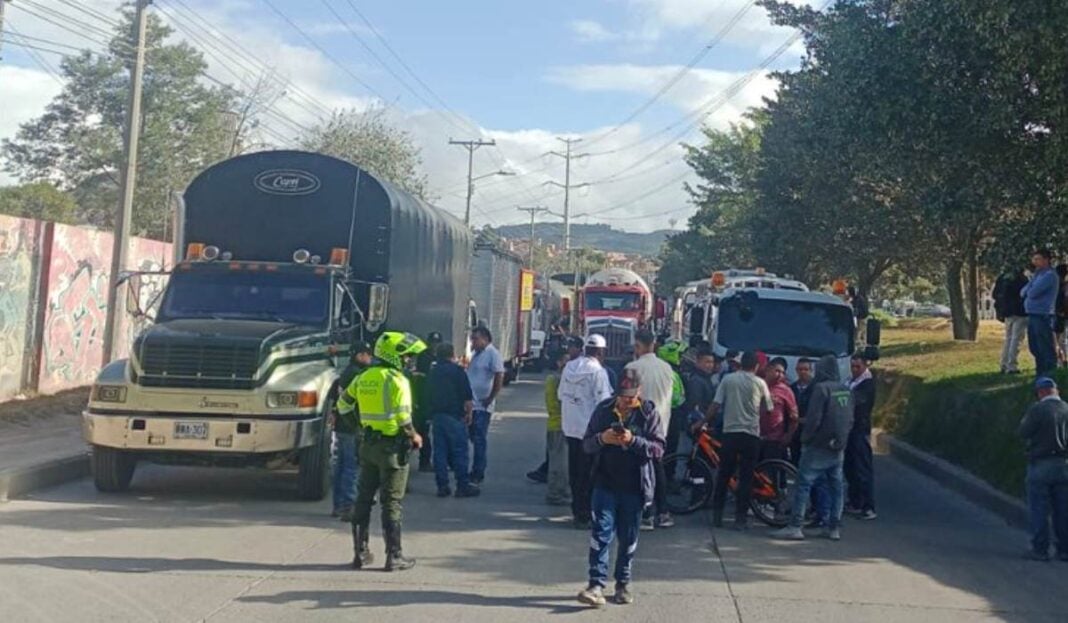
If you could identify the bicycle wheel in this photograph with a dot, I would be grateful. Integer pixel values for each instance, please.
(690, 482)
(772, 499)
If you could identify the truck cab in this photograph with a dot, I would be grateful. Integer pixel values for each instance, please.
(287, 259)
(616, 303)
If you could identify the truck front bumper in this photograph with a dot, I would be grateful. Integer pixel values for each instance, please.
(192, 433)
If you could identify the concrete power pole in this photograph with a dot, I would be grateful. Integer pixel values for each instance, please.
(3, 3)
(534, 210)
(120, 249)
(567, 155)
(471, 146)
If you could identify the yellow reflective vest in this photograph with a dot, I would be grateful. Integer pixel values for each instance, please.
(384, 397)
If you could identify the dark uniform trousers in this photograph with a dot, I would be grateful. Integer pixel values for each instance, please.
(383, 470)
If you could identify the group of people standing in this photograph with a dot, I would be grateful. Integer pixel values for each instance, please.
(1035, 307)
(397, 396)
(606, 439)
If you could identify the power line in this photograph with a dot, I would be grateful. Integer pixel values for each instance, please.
(325, 53)
(38, 60)
(194, 20)
(71, 29)
(61, 16)
(40, 40)
(78, 6)
(681, 73)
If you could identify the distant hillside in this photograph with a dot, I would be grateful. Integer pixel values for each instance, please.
(601, 237)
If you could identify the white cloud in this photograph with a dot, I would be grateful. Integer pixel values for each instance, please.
(26, 92)
(590, 31)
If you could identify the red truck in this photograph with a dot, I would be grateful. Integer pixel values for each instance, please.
(616, 303)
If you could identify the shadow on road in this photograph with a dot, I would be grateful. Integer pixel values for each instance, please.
(550, 604)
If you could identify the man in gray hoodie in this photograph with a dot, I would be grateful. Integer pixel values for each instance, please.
(828, 421)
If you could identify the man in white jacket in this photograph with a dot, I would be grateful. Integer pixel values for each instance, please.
(583, 385)
(657, 380)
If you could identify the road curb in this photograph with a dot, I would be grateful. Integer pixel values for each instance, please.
(956, 478)
(20, 481)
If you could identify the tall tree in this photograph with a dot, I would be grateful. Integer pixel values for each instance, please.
(368, 139)
(77, 143)
(39, 200)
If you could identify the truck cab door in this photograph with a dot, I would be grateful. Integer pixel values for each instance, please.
(345, 325)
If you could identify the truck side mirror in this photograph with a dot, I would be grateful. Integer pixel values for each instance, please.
(378, 305)
(132, 281)
(874, 332)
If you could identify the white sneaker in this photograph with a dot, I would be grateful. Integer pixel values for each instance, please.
(789, 533)
(833, 534)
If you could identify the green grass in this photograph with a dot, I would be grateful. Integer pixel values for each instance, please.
(948, 398)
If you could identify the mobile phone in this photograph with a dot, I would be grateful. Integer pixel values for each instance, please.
(617, 427)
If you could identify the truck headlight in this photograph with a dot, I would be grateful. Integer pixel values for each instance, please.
(109, 393)
(292, 400)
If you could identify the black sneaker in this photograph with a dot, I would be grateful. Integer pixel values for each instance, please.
(476, 480)
(444, 492)
(469, 491)
(538, 477)
(623, 595)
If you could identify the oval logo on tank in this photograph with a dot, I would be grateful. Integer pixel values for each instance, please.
(287, 182)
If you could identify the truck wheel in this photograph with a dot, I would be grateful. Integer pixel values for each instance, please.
(313, 476)
(112, 469)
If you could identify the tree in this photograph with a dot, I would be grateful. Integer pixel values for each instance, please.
(369, 141)
(38, 200)
(77, 143)
(717, 235)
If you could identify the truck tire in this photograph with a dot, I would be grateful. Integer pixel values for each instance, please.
(112, 469)
(313, 475)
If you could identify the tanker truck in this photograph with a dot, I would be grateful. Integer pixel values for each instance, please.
(615, 303)
(286, 259)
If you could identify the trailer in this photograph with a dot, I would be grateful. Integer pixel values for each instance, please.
(289, 258)
(497, 278)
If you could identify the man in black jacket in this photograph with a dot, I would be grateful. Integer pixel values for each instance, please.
(859, 466)
(345, 446)
(1009, 309)
(1044, 429)
(450, 402)
(828, 420)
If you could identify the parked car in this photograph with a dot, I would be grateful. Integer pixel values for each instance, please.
(932, 311)
(536, 355)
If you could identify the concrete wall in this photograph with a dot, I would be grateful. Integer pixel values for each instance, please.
(53, 314)
(18, 250)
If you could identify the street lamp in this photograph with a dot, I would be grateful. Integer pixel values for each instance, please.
(471, 189)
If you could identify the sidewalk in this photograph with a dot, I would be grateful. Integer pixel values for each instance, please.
(38, 448)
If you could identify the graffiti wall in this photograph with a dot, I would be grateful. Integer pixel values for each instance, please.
(17, 246)
(76, 311)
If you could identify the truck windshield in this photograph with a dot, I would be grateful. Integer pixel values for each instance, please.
(277, 297)
(779, 327)
(613, 301)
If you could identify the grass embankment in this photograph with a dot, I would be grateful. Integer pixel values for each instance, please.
(949, 398)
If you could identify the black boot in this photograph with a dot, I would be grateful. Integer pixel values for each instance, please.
(395, 560)
(360, 537)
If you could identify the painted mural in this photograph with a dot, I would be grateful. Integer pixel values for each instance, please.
(17, 240)
(76, 308)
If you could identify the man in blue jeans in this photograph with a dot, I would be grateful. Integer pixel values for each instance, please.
(345, 428)
(624, 439)
(486, 373)
(1044, 429)
(1040, 301)
(451, 402)
(828, 422)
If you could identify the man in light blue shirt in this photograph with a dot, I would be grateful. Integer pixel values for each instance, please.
(1040, 301)
(486, 373)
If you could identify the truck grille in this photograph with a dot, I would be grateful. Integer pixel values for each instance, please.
(214, 366)
(619, 342)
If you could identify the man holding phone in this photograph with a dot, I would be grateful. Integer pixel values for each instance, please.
(624, 439)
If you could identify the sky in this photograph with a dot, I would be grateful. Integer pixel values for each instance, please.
(612, 73)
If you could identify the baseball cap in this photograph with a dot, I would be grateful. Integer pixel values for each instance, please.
(1044, 382)
(596, 341)
(628, 385)
(434, 337)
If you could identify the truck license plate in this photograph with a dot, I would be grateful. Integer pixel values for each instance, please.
(190, 430)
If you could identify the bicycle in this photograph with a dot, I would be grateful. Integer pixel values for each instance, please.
(692, 477)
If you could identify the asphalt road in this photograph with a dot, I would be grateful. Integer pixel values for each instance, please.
(214, 545)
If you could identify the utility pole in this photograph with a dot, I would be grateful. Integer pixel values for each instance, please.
(3, 3)
(471, 146)
(120, 249)
(533, 210)
(567, 155)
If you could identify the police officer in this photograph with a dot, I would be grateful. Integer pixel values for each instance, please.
(421, 415)
(382, 396)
